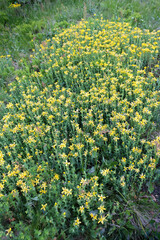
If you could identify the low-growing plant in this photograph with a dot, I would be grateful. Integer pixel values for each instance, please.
(75, 152)
(7, 74)
(6, 69)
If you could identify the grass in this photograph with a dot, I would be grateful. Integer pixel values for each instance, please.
(21, 25)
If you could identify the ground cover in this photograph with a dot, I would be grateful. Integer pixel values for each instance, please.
(75, 136)
(79, 138)
(27, 23)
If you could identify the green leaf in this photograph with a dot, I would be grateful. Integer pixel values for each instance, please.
(150, 187)
(35, 199)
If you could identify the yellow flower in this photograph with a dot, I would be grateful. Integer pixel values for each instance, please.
(66, 191)
(81, 209)
(136, 170)
(123, 184)
(9, 105)
(93, 216)
(66, 163)
(9, 231)
(25, 188)
(14, 193)
(101, 208)
(63, 144)
(77, 222)
(1, 159)
(123, 160)
(102, 219)
(14, 5)
(142, 176)
(101, 197)
(44, 206)
(56, 176)
(87, 205)
(105, 172)
(1, 186)
(64, 214)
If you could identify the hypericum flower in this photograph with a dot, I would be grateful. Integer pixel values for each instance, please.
(125, 169)
(56, 176)
(131, 167)
(66, 191)
(25, 188)
(81, 209)
(9, 231)
(93, 216)
(79, 146)
(87, 205)
(101, 208)
(77, 222)
(102, 219)
(66, 163)
(9, 105)
(94, 193)
(14, 5)
(63, 155)
(141, 161)
(101, 197)
(123, 184)
(14, 193)
(123, 160)
(44, 206)
(64, 214)
(142, 176)
(1, 159)
(63, 144)
(105, 172)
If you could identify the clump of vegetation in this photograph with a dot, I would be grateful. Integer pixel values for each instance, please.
(75, 152)
(6, 69)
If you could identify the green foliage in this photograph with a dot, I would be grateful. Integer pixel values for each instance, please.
(41, 75)
(51, 12)
(75, 153)
(6, 69)
(3, 17)
(144, 14)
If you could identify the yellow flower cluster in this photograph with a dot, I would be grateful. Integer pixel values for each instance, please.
(4, 56)
(14, 5)
(1, 158)
(77, 128)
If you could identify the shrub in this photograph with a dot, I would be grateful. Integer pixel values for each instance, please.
(74, 138)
